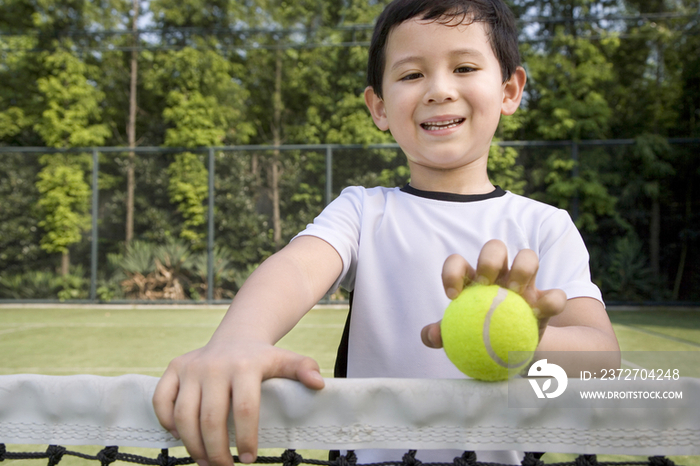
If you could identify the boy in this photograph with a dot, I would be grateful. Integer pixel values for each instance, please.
(440, 74)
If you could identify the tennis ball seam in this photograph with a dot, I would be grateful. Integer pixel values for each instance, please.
(500, 297)
(486, 333)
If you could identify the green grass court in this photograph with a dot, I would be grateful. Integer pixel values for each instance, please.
(110, 342)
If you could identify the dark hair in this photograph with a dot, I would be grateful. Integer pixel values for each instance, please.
(503, 34)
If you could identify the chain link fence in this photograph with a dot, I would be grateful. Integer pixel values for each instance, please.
(204, 218)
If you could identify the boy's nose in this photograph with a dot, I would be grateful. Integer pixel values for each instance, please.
(440, 89)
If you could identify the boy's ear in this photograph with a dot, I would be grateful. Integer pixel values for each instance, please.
(513, 91)
(376, 107)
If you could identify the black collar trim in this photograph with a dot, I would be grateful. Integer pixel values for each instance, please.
(452, 197)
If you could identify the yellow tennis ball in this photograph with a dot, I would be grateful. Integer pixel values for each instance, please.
(482, 326)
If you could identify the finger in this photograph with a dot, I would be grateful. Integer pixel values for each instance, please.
(523, 271)
(455, 272)
(431, 335)
(164, 401)
(186, 414)
(493, 263)
(246, 395)
(549, 303)
(294, 366)
(246, 415)
(213, 421)
(309, 373)
(291, 365)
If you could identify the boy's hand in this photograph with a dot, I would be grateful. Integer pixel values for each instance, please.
(199, 389)
(492, 268)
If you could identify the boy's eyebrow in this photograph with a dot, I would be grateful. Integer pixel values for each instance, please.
(403, 61)
(457, 53)
(474, 52)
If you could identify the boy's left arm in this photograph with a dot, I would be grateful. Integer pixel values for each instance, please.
(584, 329)
(566, 325)
(583, 325)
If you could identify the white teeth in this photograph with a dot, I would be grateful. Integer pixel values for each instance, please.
(434, 126)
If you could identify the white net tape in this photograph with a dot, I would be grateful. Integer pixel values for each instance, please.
(353, 414)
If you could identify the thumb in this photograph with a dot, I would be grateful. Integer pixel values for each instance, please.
(290, 365)
(431, 335)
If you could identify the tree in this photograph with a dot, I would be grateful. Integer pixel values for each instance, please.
(565, 99)
(648, 67)
(568, 60)
(19, 230)
(652, 103)
(504, 171)
(203, 108)
(306, 89)
(70, 118)
(277, 72)
(649, 164)
(64, 204)
(17, 89)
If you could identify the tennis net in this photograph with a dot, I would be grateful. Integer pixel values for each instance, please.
(349, 414)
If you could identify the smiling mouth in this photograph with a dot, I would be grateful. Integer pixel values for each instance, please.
(438, 125)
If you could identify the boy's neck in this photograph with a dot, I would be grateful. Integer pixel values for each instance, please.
(451, 181)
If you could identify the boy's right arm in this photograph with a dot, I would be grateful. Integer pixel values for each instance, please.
(199, 389)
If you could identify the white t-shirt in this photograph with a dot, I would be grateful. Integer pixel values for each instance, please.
(393, 243)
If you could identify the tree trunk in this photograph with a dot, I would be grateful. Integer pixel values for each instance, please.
(659, 101)
(684, 248)
(277, 141)
(65, 263)
(275, 194)
(654, 235)
(131, 129)
(655, 221)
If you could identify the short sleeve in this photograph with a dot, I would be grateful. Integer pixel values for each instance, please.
(339, 225)
(564, 259)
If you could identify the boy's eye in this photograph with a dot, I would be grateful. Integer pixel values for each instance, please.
(464, 69)
(411, 76)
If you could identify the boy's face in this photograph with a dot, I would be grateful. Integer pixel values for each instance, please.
(443, 98)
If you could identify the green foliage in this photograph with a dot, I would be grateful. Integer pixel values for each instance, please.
(71, 103)
(12, 121)
(350, 123)
(568, 79)
(197, 87)
(69, 117)
(152, 271)
(29, 285)
(651, 157)
(188, 189)
(174, 255)
(211, 13)
(19, 231)
(64, 203)
(45, 285)
(204, 108)
(138, 259)
(561, 188)
(226, 278)
(628, 276)
(108, 290)
(142, 257)
(504, 170)
(172, 271)
(195, 121)
(204, 98)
